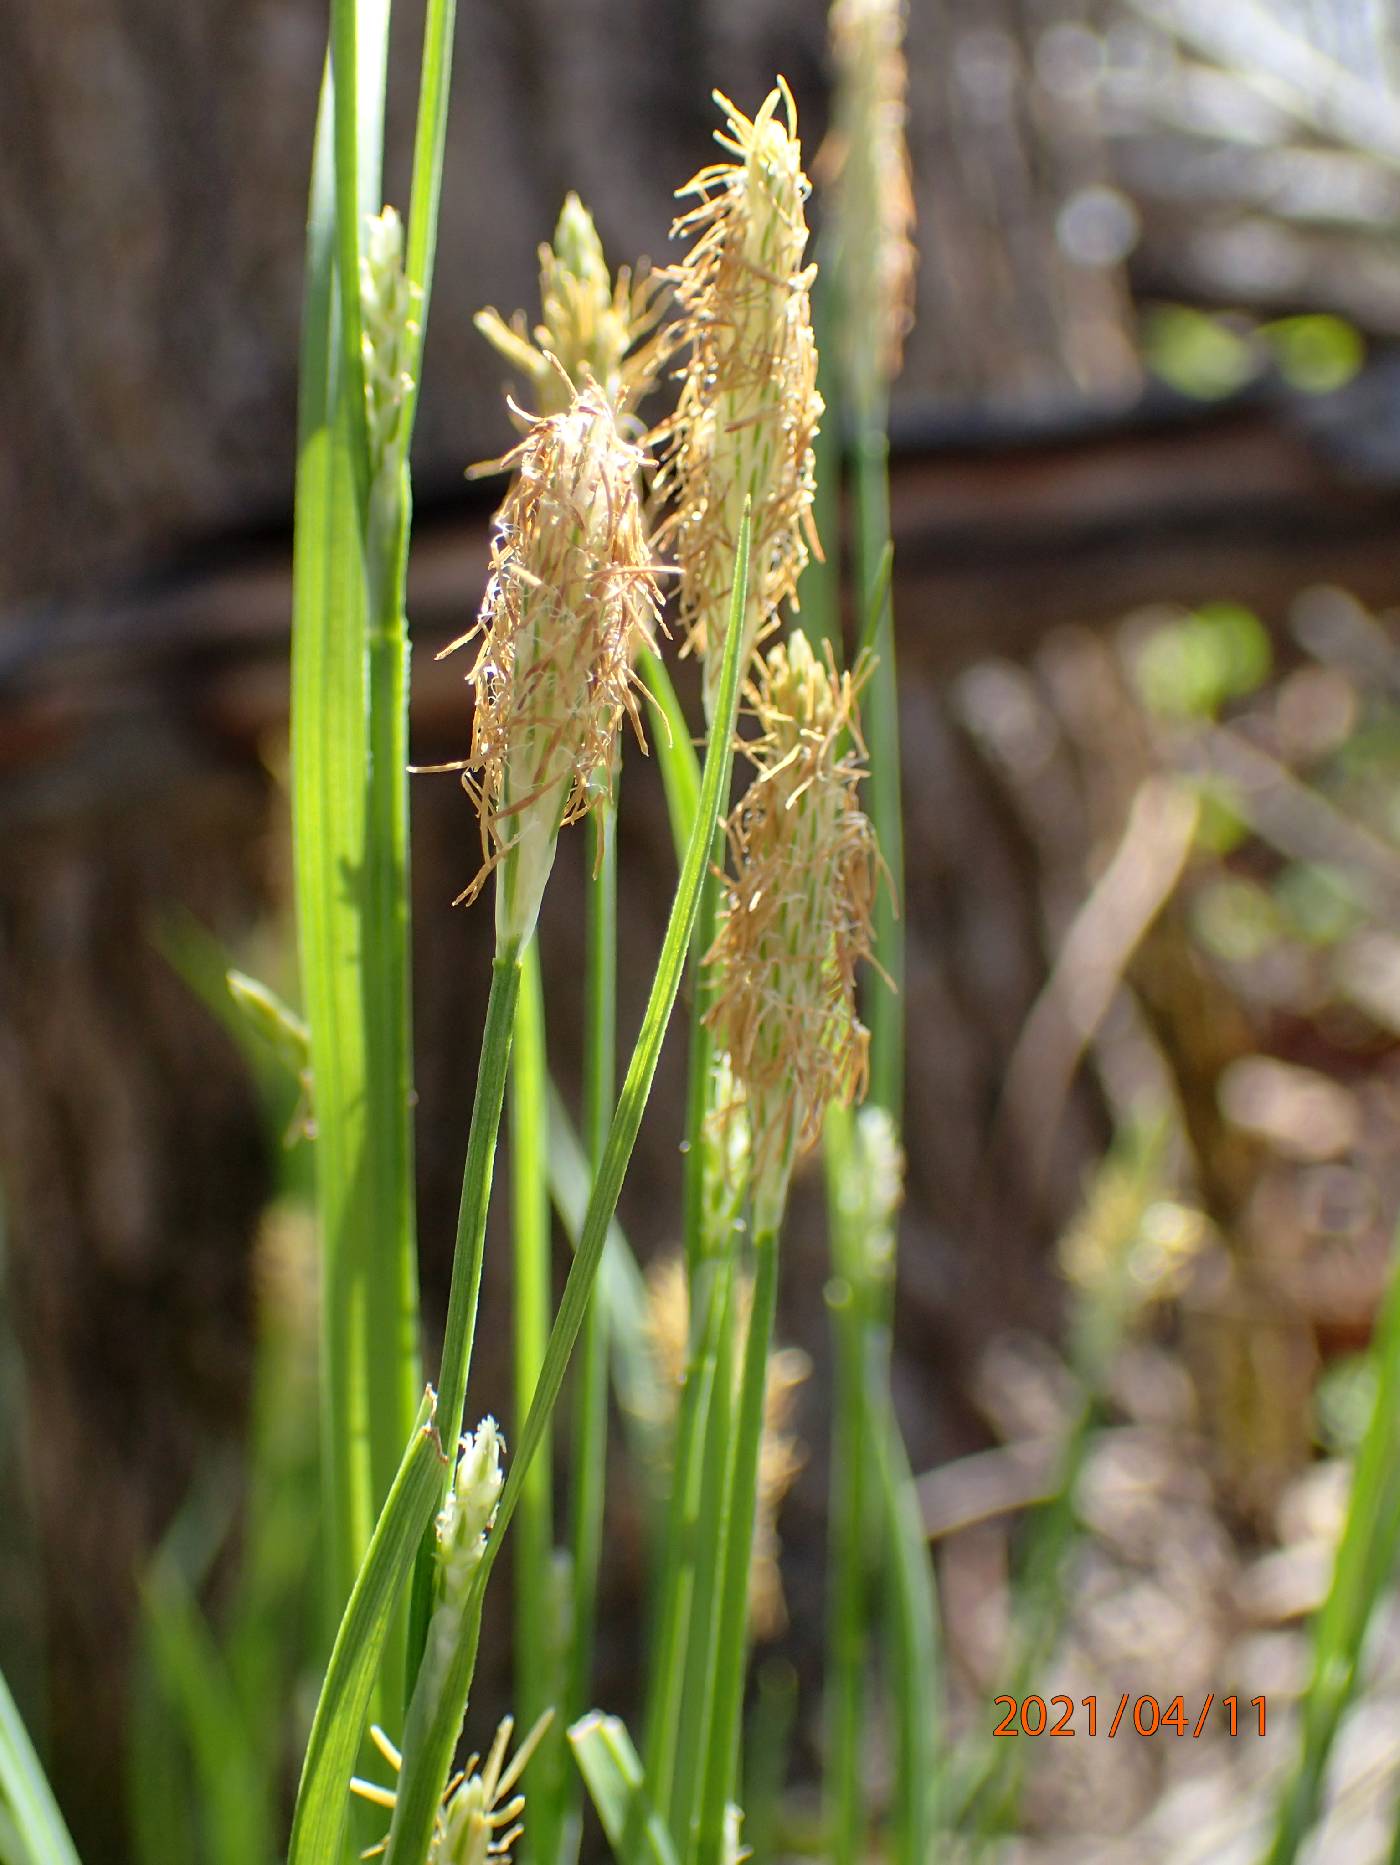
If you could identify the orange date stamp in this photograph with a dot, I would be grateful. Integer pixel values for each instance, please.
(1145, 1716)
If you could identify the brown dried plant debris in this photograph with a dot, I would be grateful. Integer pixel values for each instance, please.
(748, 409)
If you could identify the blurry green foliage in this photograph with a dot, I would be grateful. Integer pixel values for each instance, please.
(1220, 824)
(1208, 356)
(1190, 669)
(1235, 919)
(1319, 903)
(1344, 1398)
(1316, 353)
(1198, 355)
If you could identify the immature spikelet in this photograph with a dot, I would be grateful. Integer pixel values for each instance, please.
(796, 918)
(572, 595)
(469, 1510)
(589, 325)
(388, 324)
(866, 162)
(479, 1820)
(748, 407)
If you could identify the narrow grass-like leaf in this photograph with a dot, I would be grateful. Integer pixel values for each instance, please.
(731, 1640)
(429, 141)
(25, 1792)
(609, 1765)
(590, 1445)
(1363, 1567)
(621, 1287)
(886, 1008)
(680, 1684)
(851, 1516)
(328, 781)
(914, 1648)
(323, 1799)
(673, 750)
(231, 1790)
(537, 1680)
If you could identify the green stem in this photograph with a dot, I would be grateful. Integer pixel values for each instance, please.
(591, 1419)
(536, 1644)
(467, 1258)
(392, 1359)
(698, 1553)
(914, 1651)
(886, 1011)
(434, 1724)
(848, 1625)
(469, 1250)
(700, 1075)
(731, 1641)
(681, 1673)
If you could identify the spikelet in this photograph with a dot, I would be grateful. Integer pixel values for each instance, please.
(466, 1516)
(748, 407)
(572, 594)
(589, 325)
(796, 918)
(479, 1820)
(866, 163)
(388, 323)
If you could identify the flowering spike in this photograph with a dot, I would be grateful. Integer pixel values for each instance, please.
(748, 408)
(796, 918)
(388, 319)
(589, 324)
(572, 595)
(867, 163)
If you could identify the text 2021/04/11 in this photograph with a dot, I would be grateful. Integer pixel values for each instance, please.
(1063, 1716)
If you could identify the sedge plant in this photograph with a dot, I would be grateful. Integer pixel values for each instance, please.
(781, 901)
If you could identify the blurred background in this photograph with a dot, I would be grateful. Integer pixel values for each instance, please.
(1147, 519)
